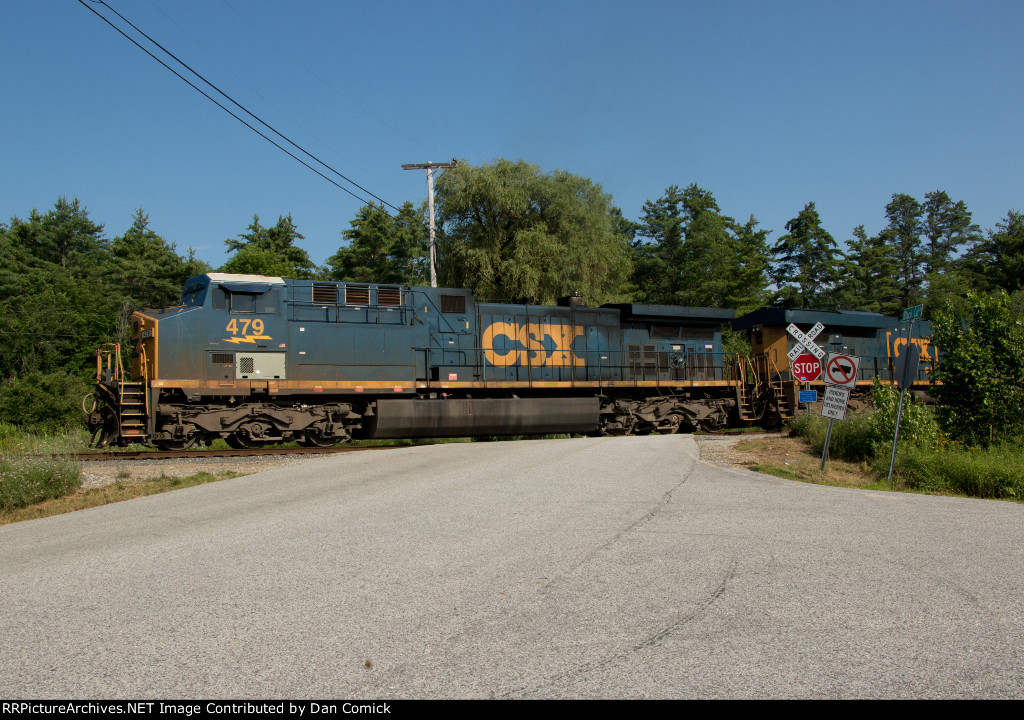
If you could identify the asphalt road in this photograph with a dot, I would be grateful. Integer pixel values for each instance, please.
(585, 568)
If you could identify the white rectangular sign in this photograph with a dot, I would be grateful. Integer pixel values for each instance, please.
(834, 402)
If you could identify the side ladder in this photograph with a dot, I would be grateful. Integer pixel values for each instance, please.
(128, 400)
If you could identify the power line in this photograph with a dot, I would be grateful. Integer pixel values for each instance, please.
(234, 102)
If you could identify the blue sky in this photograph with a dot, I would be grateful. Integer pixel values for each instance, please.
(769, 105)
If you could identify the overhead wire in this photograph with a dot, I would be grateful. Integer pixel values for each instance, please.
(236, 104)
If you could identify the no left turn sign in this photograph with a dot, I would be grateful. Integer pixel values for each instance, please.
(841, 370)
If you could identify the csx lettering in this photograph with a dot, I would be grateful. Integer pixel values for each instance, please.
(527, 344)
(898, 343)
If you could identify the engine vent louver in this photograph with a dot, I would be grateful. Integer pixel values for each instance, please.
(356, 295)
(453, 303)
(325, 293)
(389, 296)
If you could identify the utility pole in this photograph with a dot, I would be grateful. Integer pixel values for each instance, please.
(429, 167)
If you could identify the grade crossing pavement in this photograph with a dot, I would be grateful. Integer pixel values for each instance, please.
(582, 568)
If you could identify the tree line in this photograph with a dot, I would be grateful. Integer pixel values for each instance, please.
(511, 232)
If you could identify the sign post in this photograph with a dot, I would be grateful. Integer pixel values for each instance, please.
(906, 371)
(841, 377)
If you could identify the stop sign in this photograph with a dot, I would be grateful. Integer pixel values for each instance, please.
(806, 367)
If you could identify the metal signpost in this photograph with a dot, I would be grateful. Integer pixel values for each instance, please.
(906, 372)
(840, 375)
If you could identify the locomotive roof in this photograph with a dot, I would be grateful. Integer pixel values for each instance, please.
(671, 313)
(218, 277)
(829, 318)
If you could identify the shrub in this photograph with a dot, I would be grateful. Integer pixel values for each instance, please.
(917, 426)
(853, 439)
(981, 368)
(43, 402)
(860, 438)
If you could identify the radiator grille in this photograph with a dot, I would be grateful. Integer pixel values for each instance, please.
(325, 293)
(389, 296)
(355, 295)
(453, 303)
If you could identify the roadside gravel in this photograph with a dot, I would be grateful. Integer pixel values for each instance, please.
(721, 449)
(97, 473)
(717, 449)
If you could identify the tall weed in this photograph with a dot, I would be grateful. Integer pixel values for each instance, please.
(952, 467)
(853, 439)
(24, 481)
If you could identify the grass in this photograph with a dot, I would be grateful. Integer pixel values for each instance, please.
(932, 464)
(36, 481)
(951, 468)
(794, 459)
(123, 489)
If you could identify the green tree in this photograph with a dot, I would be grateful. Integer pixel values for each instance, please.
(64, 236)
(383, 248)
(808, 262)
(980, 370)
(903, 237)
(948, 228)
(999, 260)
(271, 247)
(255, 260)
(868, 275)
(512, 232)
(695, 255)
(56, 297)
(147, 270)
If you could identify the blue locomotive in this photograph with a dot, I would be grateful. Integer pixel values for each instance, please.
(878, 340)
(257, 360)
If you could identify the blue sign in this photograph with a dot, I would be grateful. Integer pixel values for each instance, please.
(808, 396)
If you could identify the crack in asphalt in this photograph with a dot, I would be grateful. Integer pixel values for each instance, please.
(666, 499)
(649, 641)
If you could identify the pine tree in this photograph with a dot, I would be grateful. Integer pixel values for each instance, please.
(807, 262)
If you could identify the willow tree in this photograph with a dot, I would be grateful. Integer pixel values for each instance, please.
(513, 232)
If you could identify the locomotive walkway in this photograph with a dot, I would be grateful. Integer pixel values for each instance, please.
(584, 568)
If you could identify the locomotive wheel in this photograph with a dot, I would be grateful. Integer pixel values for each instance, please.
(671, 424)
(315, 439)
(185, 444)
(628, 427)
(241, 441)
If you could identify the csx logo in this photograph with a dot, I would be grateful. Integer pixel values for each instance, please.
(897, 344)
(531, 344)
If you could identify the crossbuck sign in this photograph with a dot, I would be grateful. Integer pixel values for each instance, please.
(805, 341)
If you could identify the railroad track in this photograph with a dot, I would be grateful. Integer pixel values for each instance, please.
(203, 454)
(198, 454)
